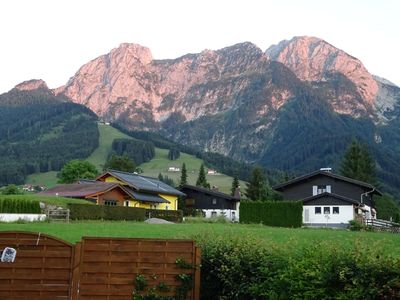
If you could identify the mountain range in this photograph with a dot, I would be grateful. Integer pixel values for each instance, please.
(294, 107)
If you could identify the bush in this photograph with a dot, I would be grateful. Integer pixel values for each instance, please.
(101, 212)
(245, 268)
(281, 213)
(355, 225)
(169, 215)
(17, 206)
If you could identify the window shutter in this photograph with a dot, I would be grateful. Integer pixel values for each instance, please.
(314, 190)
(328, 189)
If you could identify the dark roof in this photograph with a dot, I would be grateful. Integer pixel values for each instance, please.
(144, 196)
(80, 190)
(349, 200)
(282, 186)
(210, 192)
(143, 183)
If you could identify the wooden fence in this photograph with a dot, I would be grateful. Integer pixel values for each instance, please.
(98, 268)
(383, 225)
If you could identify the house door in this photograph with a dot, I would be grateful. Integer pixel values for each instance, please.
(306, 215)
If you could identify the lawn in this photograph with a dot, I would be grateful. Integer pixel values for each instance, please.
(284, 238)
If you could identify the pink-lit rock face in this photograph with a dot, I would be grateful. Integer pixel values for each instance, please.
(30, 85)
(128, 82)
(311, 59)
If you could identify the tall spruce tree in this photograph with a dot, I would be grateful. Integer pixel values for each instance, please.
(235, 185)
(201, 180)
(257, 188)
(358, 164)
(183, 180)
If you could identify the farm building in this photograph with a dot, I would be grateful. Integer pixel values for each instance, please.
(213, 203)
(329, 199)
(118, 188)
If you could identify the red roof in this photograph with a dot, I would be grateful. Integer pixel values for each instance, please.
(80, 190)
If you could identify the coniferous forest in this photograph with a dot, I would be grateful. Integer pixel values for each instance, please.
(39, 132)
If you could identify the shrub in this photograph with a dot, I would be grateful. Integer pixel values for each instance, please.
(169, 215)
(101, 212)
(245, 268)
(355, 225)
(11, 205)
(281, 213)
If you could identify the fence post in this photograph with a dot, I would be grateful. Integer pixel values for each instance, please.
(76, 271)
(197, 262)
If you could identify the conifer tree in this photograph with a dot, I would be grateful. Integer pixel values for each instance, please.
(201, 180)
(183, 180)
(235, 185)
(358, 164)
(257, 188)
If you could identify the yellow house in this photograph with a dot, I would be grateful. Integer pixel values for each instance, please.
(144, 192)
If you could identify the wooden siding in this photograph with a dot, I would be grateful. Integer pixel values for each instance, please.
(115, 194)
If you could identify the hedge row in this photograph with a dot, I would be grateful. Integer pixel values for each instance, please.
(169, 215)
(102, 212)
(243, 268)
(19, 206)
(280, 213)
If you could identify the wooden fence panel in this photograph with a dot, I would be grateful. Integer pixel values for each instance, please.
(41, 270)
(109, 267)
(96, 268)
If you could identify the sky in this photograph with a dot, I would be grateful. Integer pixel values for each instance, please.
(52, 39)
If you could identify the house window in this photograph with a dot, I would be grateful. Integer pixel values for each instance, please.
(213, 214)
(327, 210)
(214, 201)
(319, 189)
(110, 202)
(335, 210)
(317, 210)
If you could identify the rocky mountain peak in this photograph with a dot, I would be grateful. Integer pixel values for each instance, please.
(129, 52)
(32, 84)
(312, 59)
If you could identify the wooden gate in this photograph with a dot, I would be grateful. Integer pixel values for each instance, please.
(97, 268)
(41, 270)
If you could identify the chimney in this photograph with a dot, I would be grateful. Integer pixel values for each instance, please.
(326, 169)
(215, 188)
(236, 194)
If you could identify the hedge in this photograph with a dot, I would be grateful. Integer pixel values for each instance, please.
(102, 212)
(18, 206)
(279, 213)
(169, 215)
(244, 268)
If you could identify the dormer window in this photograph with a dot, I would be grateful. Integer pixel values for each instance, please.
(319, 189)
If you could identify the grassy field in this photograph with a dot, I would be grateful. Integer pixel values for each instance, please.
(156, 166)
(161, 163)
(288, 239)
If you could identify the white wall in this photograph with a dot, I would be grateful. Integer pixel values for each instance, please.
(344, 216)
(230, 214)
(25, 217)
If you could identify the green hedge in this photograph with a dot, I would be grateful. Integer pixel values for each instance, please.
(244, 268)
(280, 213)
(102, 212)
(169, 215)
(19, 206)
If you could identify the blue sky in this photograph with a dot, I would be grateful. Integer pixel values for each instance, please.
(50, 40)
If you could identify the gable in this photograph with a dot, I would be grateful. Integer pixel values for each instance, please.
(329, 199)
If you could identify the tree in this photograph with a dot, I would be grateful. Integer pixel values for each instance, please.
(387, 208)
(235, 185)
(183, 180)
(173, 154)
(77, 169)
(358, 164)
(257, 188)
(121, 163)
(11, 189)
(201, 180)
(166, 179)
